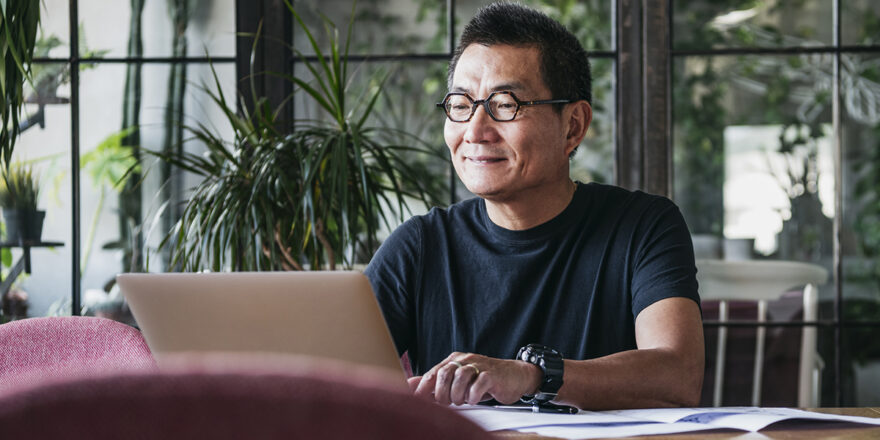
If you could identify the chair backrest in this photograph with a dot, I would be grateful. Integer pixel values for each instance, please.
(57, 345)
(762, 281)
(227, 403)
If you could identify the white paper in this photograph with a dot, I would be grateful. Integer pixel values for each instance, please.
(492, 419)
(745, 418)
(624, 423)
(590, 431)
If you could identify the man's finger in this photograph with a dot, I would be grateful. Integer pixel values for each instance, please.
(425, 387)
(461, 382)
(445, 378)
(479, 389)
(413, 383)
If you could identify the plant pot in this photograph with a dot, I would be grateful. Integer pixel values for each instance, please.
(23, 225)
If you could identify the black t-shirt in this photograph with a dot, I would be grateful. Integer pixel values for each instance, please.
(452, 280)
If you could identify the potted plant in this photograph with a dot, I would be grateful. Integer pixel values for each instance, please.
(307, 196)
(19, 191)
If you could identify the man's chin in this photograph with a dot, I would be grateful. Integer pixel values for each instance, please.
(491, 193)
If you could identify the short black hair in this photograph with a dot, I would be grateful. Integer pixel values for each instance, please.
(565, 67)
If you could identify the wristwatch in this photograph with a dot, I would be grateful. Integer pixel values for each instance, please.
(550, 363)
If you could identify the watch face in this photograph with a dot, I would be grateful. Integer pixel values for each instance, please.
(551, 364)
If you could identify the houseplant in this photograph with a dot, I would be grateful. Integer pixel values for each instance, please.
(307, 196)
(19, 191)
(18, 33)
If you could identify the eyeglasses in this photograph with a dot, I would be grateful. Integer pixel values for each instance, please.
(501, 106)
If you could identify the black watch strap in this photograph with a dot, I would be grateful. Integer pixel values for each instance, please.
(551, 365)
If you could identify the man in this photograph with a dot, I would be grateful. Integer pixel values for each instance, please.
(602, 278)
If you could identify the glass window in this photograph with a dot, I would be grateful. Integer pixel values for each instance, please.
(44, 146)
(589, 20)
(208, 27)
(108, 102)
(861, 354)
(381, 27)
(860, 22)
(703, 24)
(860, 242)
(53, 35)
(753, 153)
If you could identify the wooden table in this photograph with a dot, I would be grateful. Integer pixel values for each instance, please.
(812, 430)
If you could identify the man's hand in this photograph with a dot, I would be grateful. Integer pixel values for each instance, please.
(470, 378)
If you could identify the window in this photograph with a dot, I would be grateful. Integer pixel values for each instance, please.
(775, 133)
(133, 71)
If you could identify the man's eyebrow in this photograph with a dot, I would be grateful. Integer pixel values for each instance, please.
(510, 86)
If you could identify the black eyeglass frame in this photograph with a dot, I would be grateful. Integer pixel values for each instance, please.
(485, 102)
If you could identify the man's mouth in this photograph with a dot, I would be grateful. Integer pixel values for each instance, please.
(484, 160)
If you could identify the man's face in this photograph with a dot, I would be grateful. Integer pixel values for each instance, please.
(499, 160)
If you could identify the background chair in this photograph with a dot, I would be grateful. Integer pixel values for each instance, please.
(227, 399)
(760, 281)
(58, 345)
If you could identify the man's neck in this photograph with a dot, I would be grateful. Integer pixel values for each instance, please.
(531, 208)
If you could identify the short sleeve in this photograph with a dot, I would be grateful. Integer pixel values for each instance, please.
(664, 260)
(394, 273)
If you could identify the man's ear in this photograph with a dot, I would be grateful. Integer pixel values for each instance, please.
(579, 115)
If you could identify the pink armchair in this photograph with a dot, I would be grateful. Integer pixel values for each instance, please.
(229, 400)
(56, 346)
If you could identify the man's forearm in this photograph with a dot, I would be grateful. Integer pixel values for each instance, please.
(645, 378)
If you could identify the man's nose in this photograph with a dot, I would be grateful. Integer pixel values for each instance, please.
(481, 127)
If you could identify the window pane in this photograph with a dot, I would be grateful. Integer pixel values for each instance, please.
(53, 34)
(753, 157)
(104, 158)
(594, 160)
(380, 26)
(861, 366)
(590, 20)
(861, 25)
(754, 164)
(44, 145)
(707, 24)
(860, 244)
(209, 27)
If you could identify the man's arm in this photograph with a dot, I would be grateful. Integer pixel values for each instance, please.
(665, 370)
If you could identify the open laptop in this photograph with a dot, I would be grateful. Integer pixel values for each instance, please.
(331, 314)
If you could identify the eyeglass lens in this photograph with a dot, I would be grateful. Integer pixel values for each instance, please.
(501, 106)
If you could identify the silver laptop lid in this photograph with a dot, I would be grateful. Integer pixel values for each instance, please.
(330, 314)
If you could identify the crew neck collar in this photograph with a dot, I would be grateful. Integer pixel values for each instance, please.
(544, 230)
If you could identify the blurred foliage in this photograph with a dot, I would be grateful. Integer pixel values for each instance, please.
(866, 166)
(19, 21)
(110, 165)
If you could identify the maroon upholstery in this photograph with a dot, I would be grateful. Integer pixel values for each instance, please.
(223, 402)
(58, 345)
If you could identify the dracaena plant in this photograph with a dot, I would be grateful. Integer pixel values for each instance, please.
(19, 20)
(19, 188)
(308, 197)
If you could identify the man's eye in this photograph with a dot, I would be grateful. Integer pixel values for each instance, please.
(460, 107)
(507, 106)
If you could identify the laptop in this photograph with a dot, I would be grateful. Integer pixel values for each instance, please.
(329, 314)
